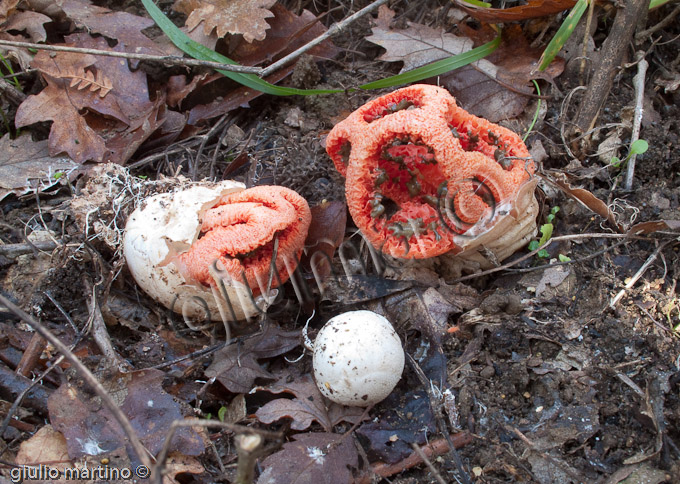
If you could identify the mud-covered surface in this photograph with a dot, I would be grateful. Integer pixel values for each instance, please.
(563, 369)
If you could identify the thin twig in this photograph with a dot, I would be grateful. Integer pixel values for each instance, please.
(434, 448)
(427, 462)
(639, 84)
(668, 20)
(334, 29)
(166, 59)
(88, 377)
(99, 331)
(15, 250)
(536, 251)
(640, 272)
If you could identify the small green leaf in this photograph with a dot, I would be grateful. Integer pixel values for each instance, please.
(546, 233)
(657, 3)
(638, 147)
(564, 258)
(533, 245)
(616, 161)
(221, 413)
(58, 175)
(555, 209)
(543, 254)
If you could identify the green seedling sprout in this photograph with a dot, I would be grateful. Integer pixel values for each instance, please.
(546, 233)
(636, 148)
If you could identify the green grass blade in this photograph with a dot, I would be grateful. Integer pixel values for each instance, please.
(437, 68)
(198, 51)
(477, 3)
(564, 32)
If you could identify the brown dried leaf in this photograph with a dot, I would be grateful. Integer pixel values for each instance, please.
(652, 226)
(307, 406)
(71, 134)
(416, 45)
(47, 445)
(313, 458)
(236, 366)
(288, 32)
(497, 87)
(245, 17)
(26, 166)
(90, 428)
(7, 7)
(111, 127)
(82, 79)
(586, 198)
(122, 26)
(30, 22)
(533, 9)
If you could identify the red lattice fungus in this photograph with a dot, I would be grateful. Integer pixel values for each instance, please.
(423, 175)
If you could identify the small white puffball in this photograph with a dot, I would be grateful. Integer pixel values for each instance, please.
(161, 228)
(358, 358)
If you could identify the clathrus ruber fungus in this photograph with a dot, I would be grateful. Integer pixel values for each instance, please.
(425, 178)
(209, 248)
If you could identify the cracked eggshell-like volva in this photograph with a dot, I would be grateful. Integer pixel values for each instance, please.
(163, 227)
(358, 358)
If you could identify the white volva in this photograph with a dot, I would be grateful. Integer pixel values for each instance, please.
(358, 358)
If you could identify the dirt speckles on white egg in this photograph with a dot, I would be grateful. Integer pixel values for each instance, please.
(164, 226)
(358, 358)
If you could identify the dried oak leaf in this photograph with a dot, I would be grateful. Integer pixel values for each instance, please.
(30, 22)
(7, 7)
(123, 118)
(288, 32)
(497, 87)
(89, 427)
(312, 458)
(416, 45)
(19, 22)
(26, 166)
(123, 26)
(307, 406)
(246, 17)
(236, 366)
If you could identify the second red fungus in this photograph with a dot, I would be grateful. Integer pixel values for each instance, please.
(422, 171)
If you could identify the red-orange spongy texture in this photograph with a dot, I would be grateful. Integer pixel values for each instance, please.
(421, 171)
(239, 235)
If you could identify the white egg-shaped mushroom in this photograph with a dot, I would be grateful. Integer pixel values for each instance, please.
(358, 358)
(161, 228)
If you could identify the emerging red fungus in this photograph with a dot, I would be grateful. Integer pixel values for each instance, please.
(240, 233)
(422, 171)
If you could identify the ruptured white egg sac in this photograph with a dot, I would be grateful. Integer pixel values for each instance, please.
(164, 226)
(358, 358)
